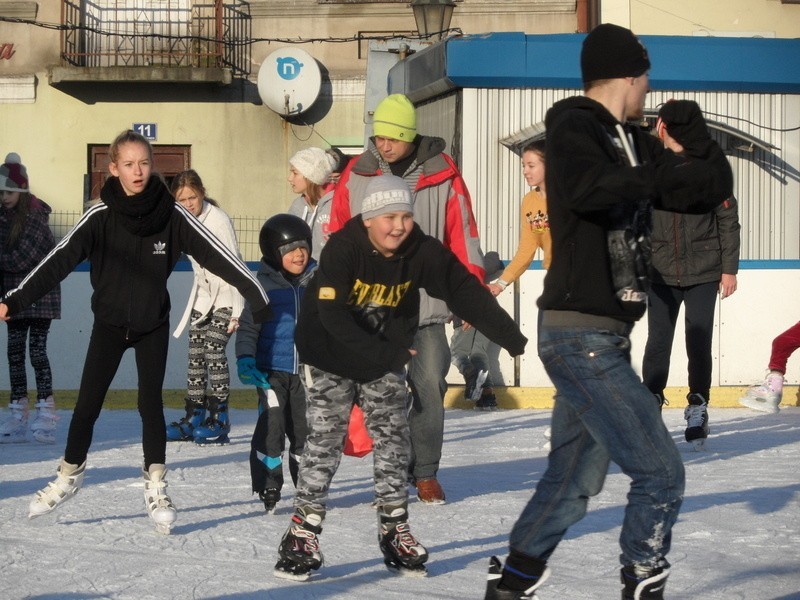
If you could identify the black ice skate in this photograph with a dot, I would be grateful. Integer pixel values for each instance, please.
(402, 553)
(299, 549)
(643, 583)
(696, 415)
(270, 498)
(494, 592)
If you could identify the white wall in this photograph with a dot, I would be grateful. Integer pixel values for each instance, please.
(764, 306)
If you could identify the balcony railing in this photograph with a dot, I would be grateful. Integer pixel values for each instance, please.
(157, 33)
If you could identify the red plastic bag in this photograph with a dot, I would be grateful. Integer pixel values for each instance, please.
(357, 443)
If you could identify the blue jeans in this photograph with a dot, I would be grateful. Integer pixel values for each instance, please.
(602, 413)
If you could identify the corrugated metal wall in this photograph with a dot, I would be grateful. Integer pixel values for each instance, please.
(766, 183)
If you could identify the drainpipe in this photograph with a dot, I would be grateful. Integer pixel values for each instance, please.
(587, 15)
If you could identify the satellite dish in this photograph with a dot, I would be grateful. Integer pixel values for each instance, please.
(289, 81)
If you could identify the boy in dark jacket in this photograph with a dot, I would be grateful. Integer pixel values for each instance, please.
(695, 257)
(355, 334)
(604, 176)
(267, 355)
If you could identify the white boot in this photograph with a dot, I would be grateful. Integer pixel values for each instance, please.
(159, 505)
(69, 479)
(766, 396)
(43, 426)
(13, 430)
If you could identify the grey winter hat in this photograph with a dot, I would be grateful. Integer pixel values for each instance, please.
(386, 194)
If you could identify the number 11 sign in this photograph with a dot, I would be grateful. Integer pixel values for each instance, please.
(148, 130)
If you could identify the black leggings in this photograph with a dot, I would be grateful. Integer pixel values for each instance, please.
(699, 302)
(106, 347)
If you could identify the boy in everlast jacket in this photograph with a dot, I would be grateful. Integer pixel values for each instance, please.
(442, 209)
(603, 178)
(132, 239)
(355, 332)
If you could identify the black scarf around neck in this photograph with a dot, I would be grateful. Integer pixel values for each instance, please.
(143, 214)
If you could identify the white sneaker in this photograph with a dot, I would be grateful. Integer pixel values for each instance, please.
(43, 426)
(159, 505)
(765, 396)
(14, 429)
(69, 479)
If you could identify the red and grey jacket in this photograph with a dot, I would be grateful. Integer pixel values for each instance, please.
(442, 207)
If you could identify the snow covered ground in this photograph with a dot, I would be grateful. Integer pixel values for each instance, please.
(738, 536)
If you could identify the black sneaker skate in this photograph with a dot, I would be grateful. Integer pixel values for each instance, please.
(487, 401)
(402, 553)
(696, 415)
(470, 378)
(643, 583)
(270, 498)
(299, 549)
(493, 592)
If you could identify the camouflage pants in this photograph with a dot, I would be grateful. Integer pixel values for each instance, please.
(329, 399)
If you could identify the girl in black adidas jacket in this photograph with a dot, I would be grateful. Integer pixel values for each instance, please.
(132, 240)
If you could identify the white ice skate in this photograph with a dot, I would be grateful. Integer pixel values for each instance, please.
(14, 429)
(43, 426)
(765, 396)
(69, 479)
(159, 505)
(547, 435)
(696, 415)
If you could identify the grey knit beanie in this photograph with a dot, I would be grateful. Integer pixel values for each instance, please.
(385, 194)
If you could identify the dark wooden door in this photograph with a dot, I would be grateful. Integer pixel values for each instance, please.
(168, 162)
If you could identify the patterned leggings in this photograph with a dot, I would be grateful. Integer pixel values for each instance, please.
(208, 362)
(37, 345)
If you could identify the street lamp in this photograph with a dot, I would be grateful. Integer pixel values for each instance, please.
(433, 16)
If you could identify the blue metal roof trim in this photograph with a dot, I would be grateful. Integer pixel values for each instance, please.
(513, 60)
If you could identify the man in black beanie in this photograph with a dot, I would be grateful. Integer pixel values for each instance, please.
(604, 175)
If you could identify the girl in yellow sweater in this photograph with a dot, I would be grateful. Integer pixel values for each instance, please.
(534, 224)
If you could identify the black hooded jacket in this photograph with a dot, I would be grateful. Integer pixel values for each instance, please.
(593, 194)
(133, 243)
(361, 310)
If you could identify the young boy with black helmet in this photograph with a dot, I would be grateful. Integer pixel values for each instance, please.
(355, 334)
(267, 356)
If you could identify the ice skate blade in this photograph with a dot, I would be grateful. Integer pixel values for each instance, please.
(220, 441)
(13, 440)
(417, 571)
(760, 406)
(163, 528)
(281, 574)
(699, 445)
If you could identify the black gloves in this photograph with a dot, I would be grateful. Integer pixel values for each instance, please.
(685, 123)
